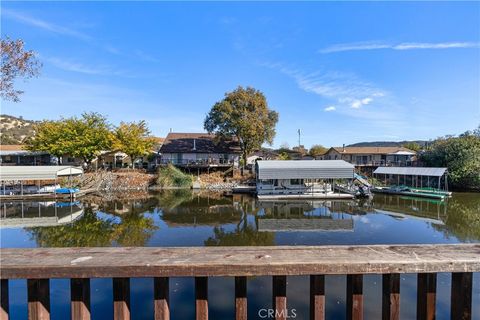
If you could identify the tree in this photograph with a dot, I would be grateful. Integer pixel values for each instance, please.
(134, 139)
(243, 114)
(412, 146)
(84, 137)
(16, 63)
(317, 150)
(461, 155)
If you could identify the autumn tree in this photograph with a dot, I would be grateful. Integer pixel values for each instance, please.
(244, 115)
(133, 138)
(85, 137)
(16, 63)
(317, 150)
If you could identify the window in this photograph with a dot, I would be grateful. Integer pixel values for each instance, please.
(296, 182)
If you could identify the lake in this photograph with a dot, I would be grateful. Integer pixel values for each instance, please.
(186, 218)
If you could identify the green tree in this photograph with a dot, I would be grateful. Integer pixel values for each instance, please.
(134, 139)
(16, 63)
(317, 150)
(461, 155)
(243, 114)
(85, 137)
(412, 146)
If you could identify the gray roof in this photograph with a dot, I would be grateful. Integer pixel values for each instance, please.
(304, 169)
(17, 173)
(412, 171)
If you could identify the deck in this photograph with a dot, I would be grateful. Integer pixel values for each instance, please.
(80, 264)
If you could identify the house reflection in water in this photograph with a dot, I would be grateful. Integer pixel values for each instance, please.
(21, 214)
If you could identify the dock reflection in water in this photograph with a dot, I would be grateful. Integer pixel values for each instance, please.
(23, 214)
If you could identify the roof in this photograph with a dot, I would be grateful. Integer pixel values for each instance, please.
(198, 143)
(17, 149)
(412, 171)
(17, 173)
(372, 150)
(304, 169)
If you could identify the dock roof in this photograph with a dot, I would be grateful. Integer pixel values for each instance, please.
(412, 171)
(22, 173)
(304, 169)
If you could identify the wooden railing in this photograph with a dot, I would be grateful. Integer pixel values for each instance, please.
(81, 264)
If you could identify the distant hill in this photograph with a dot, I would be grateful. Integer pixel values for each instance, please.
(387, 143)
(14, 130)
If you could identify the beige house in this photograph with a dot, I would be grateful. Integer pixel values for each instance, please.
(371, 156)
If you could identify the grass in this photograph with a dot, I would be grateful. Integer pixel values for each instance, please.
(170, 176)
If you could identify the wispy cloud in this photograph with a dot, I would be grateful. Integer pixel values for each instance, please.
(42, 24)
(358, 46)
(145, 56)
(74, 66)
(330, 108)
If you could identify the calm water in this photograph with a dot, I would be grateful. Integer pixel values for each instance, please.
(183, 218)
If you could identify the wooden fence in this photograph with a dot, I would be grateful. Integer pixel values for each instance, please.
(80, 264)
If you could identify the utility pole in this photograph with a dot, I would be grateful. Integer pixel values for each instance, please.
(299, 133)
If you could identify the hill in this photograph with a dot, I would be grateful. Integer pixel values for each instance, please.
(387, 143)
(14, 130)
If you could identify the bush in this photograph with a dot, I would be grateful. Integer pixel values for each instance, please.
(170, 176)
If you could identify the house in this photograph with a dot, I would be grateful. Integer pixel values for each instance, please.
(17, 155)
(371, 156)
(199, 150)
(262, 154)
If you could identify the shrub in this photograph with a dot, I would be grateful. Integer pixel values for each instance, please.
(170, 176)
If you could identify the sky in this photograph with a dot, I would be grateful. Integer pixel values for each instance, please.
(341, 72)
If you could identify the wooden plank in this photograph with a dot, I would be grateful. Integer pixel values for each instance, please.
(241, 298)
(355, 296)
(161, 295)
(279, 302)
(80, 297)
(236, 261)
(201, 298)
(317, 297)
(391, 296)
(461, 297)
(121, 298)
(38, 299)
(426, 295)
(4, 305)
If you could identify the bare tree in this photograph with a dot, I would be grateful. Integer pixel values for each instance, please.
(16, 63)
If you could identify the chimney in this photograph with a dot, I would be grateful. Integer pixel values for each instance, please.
(171, 130)
(343, 150)
(194, 144)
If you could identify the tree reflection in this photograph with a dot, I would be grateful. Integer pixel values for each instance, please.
(88, 231)
(124, 223)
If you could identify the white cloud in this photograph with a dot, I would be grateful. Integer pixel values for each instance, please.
(330, 108)
(26, 19)
(401, 46)
(68, 65)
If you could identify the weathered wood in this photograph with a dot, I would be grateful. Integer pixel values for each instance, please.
(241, 298)
(38, 299)
(461, 297)
(201, 298)
(161, 295)
(355, 296)
(4, 307)
(80, 297)
(279, 302)
(426, 295)
(121, 298)
(317, 297)
(391, 296)
(238, 261)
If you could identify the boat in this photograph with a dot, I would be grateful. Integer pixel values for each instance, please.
(407, 191)
(66, 190)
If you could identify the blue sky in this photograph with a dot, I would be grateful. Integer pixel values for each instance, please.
(341, 72)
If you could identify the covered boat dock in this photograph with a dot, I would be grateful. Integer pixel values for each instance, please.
(301, 179)
(27, 181)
